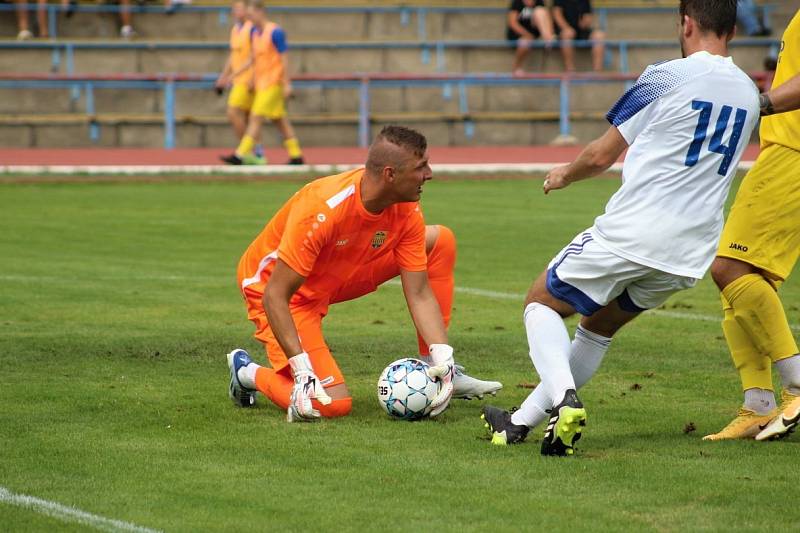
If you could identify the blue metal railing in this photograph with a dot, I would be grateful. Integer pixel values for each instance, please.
(364, 83)
(63, 52)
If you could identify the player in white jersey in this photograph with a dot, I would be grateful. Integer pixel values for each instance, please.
(685, 124)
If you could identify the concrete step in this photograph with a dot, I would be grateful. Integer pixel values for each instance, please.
(332, 25)
(109, 57)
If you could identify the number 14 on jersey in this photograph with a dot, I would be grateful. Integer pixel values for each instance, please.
(715, 144)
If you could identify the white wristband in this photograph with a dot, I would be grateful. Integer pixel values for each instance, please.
(441, 354)
(300, 363)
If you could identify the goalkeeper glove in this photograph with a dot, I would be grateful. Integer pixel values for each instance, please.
(306, 387)
(442, 368)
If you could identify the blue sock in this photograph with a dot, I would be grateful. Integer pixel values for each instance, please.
(259, 150)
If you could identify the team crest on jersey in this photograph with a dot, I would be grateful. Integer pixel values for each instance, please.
(378, 239)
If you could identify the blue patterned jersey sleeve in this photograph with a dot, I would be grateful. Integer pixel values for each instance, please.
(632, 111)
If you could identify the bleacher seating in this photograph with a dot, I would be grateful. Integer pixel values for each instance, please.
(451, 38)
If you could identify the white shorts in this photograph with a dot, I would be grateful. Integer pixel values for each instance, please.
(588, 277)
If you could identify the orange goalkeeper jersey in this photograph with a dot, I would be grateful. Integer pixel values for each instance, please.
(324, 233)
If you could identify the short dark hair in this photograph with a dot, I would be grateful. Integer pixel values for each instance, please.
(403, 137)
(718, 16)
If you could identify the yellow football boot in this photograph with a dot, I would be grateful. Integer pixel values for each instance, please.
(746, 425)
(786, 421)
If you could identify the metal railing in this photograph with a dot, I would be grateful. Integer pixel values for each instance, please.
(168, 84)
(63, 52)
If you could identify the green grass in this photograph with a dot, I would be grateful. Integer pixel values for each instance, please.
(119, 301)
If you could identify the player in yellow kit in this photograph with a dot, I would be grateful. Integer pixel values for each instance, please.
(758, 249)
(269, 59)
(237, 74)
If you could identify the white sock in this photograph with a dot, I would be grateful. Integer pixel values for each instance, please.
(533, 410)
(790, 373)
(586, 354)
(247, 375)
(549, 344)
(760, 401)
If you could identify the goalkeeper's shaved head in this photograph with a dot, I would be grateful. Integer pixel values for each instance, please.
(395, 146)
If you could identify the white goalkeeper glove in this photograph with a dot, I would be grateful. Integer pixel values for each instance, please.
(306, 387)
(442, 368)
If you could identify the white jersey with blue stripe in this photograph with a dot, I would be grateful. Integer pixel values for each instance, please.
(687, 123)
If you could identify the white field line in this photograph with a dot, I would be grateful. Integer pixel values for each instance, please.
(276, 170)
(519, 297)
(69, 514)
(495, 295)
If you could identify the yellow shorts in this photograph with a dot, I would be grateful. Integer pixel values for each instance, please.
(241, 97)
(268, 103)
(763, 227)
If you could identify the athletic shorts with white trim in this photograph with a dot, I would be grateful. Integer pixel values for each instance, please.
(588, 276)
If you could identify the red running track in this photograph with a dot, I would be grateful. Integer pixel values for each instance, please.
(313, 155)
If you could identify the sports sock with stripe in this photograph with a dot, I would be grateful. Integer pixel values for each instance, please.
(586, 354)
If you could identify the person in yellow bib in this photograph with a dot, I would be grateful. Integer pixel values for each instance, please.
(240, 97)
(270, 63)
(758, 249)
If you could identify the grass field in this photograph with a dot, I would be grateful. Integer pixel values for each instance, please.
(118, 303)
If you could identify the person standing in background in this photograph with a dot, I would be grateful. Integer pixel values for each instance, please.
(240, 98)
(270, 61)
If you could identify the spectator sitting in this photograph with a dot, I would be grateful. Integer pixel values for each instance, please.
(68, 6)
(748, 20)
(23, 26)
(171, 6)
(574, 20)
(527, 21)
(125, 18)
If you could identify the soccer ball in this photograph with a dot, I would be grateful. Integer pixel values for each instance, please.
(405, 391)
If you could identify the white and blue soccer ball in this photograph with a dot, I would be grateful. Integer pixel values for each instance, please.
(405, 391)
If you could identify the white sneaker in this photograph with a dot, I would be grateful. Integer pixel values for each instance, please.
(466, 387)
(24, 35)
(127, 32)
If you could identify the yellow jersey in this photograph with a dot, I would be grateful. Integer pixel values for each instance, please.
(240, 51)
(784, 128)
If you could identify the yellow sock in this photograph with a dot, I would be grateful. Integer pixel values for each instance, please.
(293, 147)
(245, 146)
(755, 368)
(758, 310)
